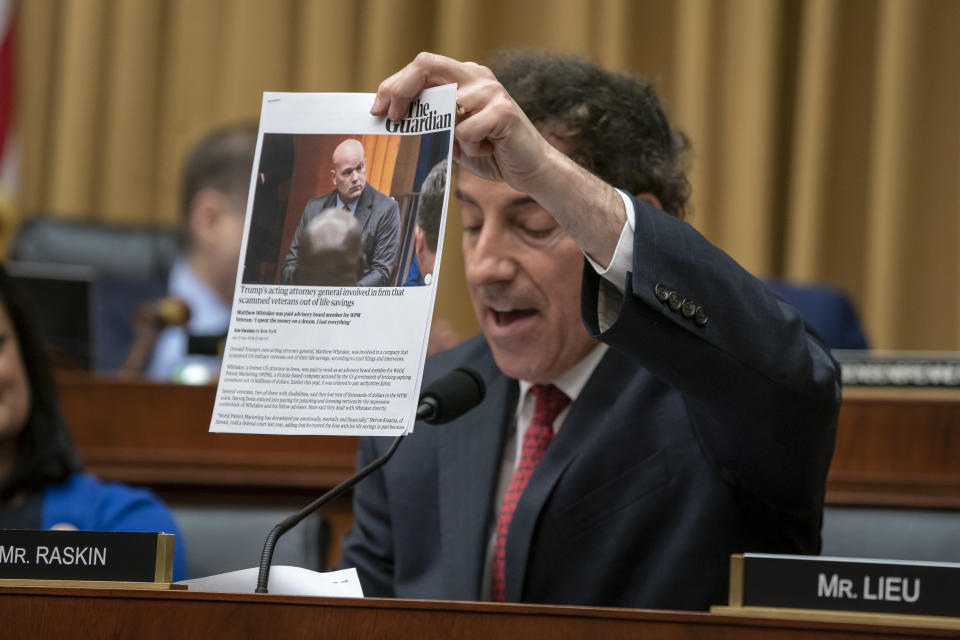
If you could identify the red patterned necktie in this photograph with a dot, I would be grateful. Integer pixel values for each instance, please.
(549, 402)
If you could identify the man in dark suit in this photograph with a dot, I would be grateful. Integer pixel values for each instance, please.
(620, 457)
(378, 216)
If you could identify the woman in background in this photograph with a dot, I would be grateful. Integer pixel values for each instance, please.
(41, 481)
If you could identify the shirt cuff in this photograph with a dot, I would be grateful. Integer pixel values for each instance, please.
(622, 261)
(610, 292)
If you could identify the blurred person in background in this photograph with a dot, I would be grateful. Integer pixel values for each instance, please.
(42, 484)
(216, 180)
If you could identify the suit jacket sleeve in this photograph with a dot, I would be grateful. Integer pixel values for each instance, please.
(761, 390)
(387, 244)
(290, 262)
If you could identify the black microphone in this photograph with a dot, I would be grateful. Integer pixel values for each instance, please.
(450, 396)
(446, 398)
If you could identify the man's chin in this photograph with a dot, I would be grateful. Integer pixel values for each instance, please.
(519, 364)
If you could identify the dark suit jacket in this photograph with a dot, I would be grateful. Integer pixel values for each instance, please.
(379, 219)
(688, 443)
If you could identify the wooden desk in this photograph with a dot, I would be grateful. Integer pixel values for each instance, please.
(157, 435)
(898, 448)
(894, 447)
(69, 613)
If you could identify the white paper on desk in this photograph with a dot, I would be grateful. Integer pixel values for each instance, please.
(316, 355)
(284, 580)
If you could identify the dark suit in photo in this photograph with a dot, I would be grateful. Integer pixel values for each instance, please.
(379, 219)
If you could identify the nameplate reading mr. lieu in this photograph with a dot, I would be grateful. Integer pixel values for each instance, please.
(91, 556)
(845, 584)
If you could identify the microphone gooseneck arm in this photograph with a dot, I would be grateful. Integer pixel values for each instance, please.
(447, 398)
(266, 558)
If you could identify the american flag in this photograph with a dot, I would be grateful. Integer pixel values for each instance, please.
(9, 156)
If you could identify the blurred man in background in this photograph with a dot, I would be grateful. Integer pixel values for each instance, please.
(215, 183)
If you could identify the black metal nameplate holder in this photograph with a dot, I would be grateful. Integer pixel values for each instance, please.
(87, 558)
(814, 583)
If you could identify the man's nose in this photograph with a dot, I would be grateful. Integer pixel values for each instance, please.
(491, 258)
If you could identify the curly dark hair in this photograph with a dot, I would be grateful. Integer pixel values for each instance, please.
(46, 455)
(614, 122)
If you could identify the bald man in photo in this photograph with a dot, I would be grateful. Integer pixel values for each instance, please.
(377, 215)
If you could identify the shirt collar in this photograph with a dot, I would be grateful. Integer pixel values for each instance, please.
(575, 379)
(352, 206)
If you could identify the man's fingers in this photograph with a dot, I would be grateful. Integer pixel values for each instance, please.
(476, 149)
(427, 70)
(491, 131)
(478, 94)
(384, 94)
(481, 125)
(488, 112)
(433, 69)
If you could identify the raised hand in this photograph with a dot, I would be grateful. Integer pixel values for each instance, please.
(492, 138)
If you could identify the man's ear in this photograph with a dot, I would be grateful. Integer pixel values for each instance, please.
(333, 176)
(650, 199)
(418, 236)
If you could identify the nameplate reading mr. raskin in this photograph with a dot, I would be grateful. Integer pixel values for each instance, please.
(851, 584)
(79, 555)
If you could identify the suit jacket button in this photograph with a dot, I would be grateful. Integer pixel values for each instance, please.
(700, 316)
(688, 308)
(661, 292)
(674, 301)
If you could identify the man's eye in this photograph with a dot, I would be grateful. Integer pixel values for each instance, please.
(472, 228)
(538, 233)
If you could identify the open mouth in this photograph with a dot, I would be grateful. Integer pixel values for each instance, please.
(507, 317)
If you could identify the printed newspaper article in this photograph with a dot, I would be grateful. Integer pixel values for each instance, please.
(338, 268)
